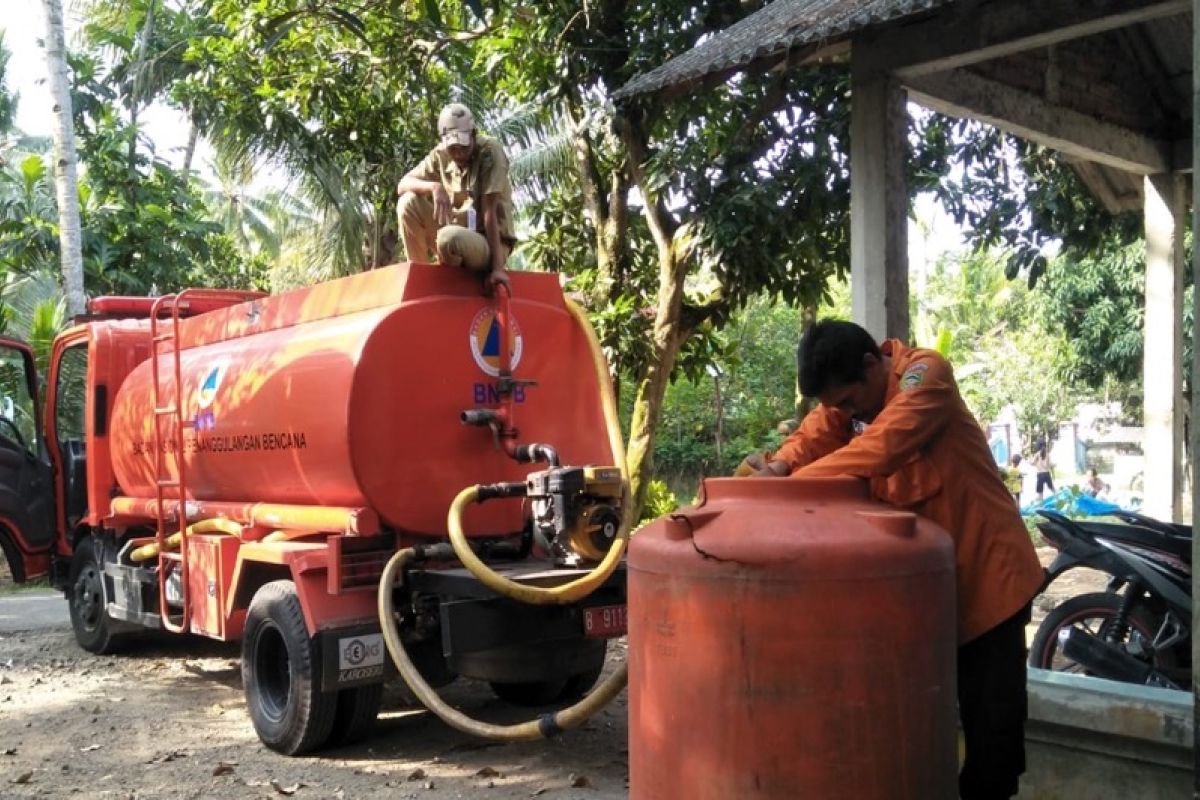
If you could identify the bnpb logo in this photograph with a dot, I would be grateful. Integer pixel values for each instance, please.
(485, 341)
(206, 392)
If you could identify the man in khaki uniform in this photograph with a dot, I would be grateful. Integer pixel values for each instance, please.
(457, 203)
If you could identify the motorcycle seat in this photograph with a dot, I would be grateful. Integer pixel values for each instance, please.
(1176, 546)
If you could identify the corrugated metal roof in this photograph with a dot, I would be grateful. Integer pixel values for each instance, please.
(775, 28)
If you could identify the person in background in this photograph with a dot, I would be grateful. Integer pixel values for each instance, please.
(456, 205)
(1041, 465)
(1093, 486)
(893, 415)
(1013, 477)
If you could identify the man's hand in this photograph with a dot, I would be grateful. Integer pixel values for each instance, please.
(497, 276)
(441, 205)
(756, 465)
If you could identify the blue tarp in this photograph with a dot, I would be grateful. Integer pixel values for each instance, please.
(1073, 504)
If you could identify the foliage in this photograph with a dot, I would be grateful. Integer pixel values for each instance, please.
(145, 226)
(755, 384)
(660, 500)
(8, 102)
(1004, 352)
(1019, 197)
(346, 100)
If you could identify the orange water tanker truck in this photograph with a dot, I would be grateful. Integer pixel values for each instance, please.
(384, 473)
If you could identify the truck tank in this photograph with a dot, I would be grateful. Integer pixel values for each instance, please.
(350, 393)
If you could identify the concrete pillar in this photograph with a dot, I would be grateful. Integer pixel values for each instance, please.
(1165, 209)
(1194, 428)
(878, 204)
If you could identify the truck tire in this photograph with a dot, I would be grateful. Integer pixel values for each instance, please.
(357, 709)
(530, 693)
(85, 600)
(280, 673)
(581, 683)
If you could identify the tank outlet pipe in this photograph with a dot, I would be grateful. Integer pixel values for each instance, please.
(544, 727)
(226, 526)
(533, 453)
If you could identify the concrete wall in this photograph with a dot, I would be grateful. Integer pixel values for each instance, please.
(1102, 740)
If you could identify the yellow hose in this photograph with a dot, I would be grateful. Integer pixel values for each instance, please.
(580, 588)
(215, 525)
(608, 401)
(565, 594)
(545, 727)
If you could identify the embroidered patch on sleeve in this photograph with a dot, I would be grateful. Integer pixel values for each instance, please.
(913, 377)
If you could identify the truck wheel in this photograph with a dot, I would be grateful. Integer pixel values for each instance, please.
(356, 712)
(530, 693)
(280, 665)
(580, 683)
(85, 599)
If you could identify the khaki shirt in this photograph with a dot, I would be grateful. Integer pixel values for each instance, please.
(925, 452)
(486, 173)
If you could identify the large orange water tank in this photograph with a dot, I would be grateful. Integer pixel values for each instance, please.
(791, 639)
(349, 393)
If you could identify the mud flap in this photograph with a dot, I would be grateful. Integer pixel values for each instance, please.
(353, 656)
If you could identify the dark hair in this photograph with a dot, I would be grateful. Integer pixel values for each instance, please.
(831, 354)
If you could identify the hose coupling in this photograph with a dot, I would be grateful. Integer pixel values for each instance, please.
(532, 453)
(442, 551)
(494, 491)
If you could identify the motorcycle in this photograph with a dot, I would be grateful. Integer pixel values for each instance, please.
(1139, 629)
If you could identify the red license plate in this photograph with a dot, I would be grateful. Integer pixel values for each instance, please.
(604, 622)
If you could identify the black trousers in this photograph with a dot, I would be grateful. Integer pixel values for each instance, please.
(992, 706)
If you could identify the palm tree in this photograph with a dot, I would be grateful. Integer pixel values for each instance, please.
(35, 311)
(70, 236)
(8, 102)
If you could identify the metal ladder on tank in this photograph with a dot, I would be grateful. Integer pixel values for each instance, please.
(166, 487)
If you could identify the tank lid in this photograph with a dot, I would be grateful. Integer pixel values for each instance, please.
(825, 489)
(769, 521)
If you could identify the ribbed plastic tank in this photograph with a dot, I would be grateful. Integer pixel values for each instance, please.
(349, 393)
(789, 639)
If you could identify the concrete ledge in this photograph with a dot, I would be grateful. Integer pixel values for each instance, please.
(1098, 739)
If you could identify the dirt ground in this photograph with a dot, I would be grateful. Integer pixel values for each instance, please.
(168, 720)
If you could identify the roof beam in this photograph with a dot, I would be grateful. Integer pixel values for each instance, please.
(999, 28)
(963, 94)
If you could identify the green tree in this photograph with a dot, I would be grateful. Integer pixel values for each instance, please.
(344, 100)
(1004, 351)
(713, 181)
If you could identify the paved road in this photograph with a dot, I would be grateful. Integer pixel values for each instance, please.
(28, 611)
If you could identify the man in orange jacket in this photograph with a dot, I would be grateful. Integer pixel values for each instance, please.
(893, 415)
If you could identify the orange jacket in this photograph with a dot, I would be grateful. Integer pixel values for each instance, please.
(925, 452)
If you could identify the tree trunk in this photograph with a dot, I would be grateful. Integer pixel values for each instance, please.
(135, 94)
(808, 317)
(65, 180)
(669, 331)
(190, 152)
(652, 388)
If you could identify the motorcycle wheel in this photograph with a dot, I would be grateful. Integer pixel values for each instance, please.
(1095, 613)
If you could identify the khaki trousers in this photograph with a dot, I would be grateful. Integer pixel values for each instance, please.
(453, 245)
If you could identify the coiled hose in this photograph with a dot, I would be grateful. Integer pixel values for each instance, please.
(542, 728)
(548, 724)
